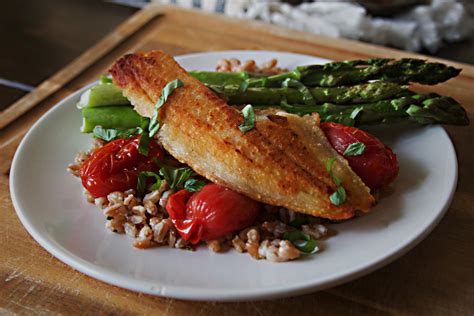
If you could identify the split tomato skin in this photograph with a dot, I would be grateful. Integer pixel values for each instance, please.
(211, 213)
(377, 166)
(116, 166)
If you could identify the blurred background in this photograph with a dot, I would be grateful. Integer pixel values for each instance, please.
(41, 37)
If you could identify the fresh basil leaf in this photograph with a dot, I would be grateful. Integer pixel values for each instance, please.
(144, 143)
(194, 185)
(110, 134)
(183, 174)
(303, 242)
(249, 119)
(142, 179)
(105, 134)
(104, 79)
(175, 177)
(329, 164)
(168, 174)
(306, 93)
(354, 149)
(243, 86)
(355, 112)
(165, 93)
(339, 196)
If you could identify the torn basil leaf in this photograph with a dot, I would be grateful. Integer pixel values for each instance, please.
(165, 93)
(249, 119)
(303, 242)
(354, 149)
(109, 134)
(144, 144)
(339, 196)
(194, 185)
(176, 177)
(308, 98)
(243, 86)
(142, 180)
(104, 79)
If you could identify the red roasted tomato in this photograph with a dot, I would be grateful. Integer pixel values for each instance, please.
(377, 166)
(211, 213)
(116, 165)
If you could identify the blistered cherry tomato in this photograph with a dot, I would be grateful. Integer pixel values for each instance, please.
(377, 166)
(116, 165)
(211, 213)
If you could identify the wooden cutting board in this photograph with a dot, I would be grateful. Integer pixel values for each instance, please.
(437, 277)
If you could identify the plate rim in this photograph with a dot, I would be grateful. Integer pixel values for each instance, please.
(193, 293)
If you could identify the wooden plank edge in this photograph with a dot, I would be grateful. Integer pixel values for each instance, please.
(77, 66)
(365, 50)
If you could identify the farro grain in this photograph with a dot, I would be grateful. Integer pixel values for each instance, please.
(101, 202)
(238, 244)
(144, 237)
(253, 243)
(116, 197)
(317, 231)
(214, 245)
(160, 229)
(113, 210)
(130, 229)
(150, 207)
(172, 237)
(164, 197)
(278, 250)
(89, 197)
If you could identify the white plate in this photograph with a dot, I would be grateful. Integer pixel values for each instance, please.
(51, 206)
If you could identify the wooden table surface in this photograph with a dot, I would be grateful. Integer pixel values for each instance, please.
(435, 278)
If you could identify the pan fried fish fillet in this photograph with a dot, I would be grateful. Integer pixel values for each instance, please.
(280, 162)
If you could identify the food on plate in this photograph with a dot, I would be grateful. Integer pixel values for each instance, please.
(376, 164)
(202, 131)
(255, 160)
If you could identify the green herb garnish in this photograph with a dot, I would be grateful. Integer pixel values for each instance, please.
(244, 85)
(178, 178)
(194, 185)
(104, 79)
(142, 179)
(339, 196)
(354, 149)
(109, 134)
(303, 242)
(165, 93)
(144, 138)
(308, 98)
(249, 119)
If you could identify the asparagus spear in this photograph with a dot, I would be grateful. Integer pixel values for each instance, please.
(335, 74)
(423, 109)
(121, 117)
(365, 93)
(102, 95)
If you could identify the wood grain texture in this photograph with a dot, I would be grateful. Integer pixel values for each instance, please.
(435, 278)
(59, 79)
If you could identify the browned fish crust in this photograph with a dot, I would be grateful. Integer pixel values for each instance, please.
(277, 162)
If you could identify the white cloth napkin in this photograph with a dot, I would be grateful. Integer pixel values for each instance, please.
(424, 26)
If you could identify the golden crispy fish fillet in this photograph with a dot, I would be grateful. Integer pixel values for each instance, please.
(280, 162)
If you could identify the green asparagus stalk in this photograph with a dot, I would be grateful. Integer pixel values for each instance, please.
(120, 117)
(335, 74)
(401, 71)
(103, 94)
(365, 93)
(423, 109)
